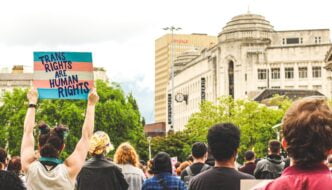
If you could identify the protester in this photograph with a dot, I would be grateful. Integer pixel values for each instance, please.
(199, 154)
(98, 172)
(3, 159)
(163, 179)
(49, 172)
(127, 159)
(149, 173)
(182, 167)
(223, 142)
(272, 166)
(14, 165)
(307, 132)
(249, 165)
(10, 181)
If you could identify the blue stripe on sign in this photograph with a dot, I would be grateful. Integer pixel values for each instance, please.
(52, 93)
(69, 56)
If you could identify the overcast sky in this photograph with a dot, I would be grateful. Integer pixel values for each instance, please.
(121, 33)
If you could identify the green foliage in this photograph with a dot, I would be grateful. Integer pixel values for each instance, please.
(255, 121)
(116, 114)
(176, 144)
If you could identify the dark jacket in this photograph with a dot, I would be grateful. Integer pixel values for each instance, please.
(99, 173)
(248, 168)
(270, 167)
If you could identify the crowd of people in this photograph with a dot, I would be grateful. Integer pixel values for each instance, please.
(307, 140)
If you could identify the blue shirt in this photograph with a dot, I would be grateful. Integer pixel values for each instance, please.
(173, 183)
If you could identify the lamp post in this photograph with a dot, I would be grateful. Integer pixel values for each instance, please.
(149, 141)
(172, 29)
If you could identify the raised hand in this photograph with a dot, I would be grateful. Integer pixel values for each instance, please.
(93, 97)
(32, 96)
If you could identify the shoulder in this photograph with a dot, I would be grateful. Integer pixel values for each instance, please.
(243, 175)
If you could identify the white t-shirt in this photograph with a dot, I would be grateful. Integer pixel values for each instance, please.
(38, 178)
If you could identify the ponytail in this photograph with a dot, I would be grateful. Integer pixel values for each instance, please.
(51, 141)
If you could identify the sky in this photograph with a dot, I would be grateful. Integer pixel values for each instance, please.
(121, 34)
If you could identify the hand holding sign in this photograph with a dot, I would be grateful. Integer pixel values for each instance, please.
(93, 97)
(32, 96)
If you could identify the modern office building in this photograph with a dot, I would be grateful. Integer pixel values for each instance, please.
(163, 57)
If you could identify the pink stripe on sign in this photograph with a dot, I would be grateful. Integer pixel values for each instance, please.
(74, 66)
(46, 83)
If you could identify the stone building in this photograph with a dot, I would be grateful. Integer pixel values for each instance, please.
(250, 56)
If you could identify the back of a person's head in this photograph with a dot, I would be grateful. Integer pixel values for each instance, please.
(249, 155)
(10, 181)
(274, 146)
(100, 144)
(14, 165)
(162, 163)
(3, 155)
(51, 141)
(223, 141)
(307, 130)
(126, 154)
(198, 150)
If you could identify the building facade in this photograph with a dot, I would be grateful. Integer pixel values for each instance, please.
(163, 56)
(250, 56)
(21, 77)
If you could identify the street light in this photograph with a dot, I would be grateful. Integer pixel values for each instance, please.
(172, 29)
(149, 141)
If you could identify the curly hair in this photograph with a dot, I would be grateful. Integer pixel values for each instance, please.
(307, 129)
(126, 154)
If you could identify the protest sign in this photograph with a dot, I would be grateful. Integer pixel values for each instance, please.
(63, 75)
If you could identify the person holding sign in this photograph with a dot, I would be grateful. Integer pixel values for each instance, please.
(49, 172)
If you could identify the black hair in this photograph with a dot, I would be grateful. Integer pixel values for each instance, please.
(198, 150)
(10, 181)
(249, 155)
(3, 155)
(51, 141)
(274, 146)
(162, 163)
(223, 141)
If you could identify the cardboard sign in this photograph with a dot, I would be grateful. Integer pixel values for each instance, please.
(63, 75)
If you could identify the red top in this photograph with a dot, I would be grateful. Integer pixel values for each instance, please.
(294, 178)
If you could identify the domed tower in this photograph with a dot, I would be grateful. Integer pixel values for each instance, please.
(182, 60)
(246, 26)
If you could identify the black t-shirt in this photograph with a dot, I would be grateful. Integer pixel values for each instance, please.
(195, 169)
(218, 179)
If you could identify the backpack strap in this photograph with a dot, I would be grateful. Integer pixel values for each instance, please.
(205, 167)
(189, 172)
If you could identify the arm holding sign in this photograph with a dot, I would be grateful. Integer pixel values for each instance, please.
(76, 160)
(28, 142)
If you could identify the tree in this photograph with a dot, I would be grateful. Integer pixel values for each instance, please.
(116, 114)
(255, 121)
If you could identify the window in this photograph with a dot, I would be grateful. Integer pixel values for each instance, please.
(301, 40)
(283, 41)
(318, 40)
(289, 72)
(261, 74)
(276, 87)
(303, 72)
(293, 40)
(262, 87)
(316, 72)
(317, 87)
(275, 73)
